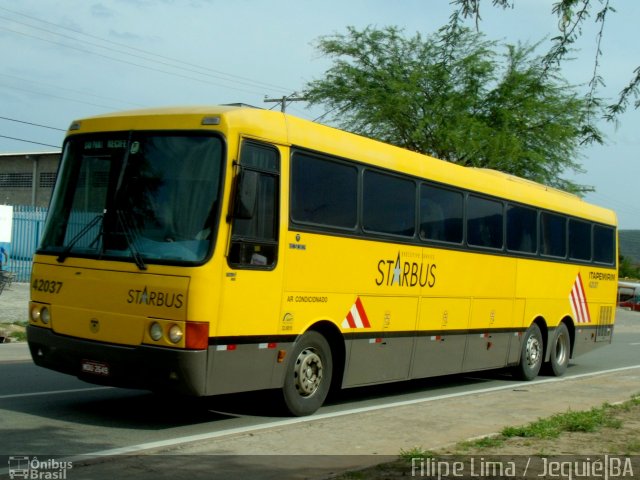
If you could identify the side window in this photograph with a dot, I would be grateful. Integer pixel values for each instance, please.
(254, 241)
(579, 240)
(388, 204)
(604, 244)
(553, 235)
(440, 214)
(522, 229)
(323, 192)
(484, 222)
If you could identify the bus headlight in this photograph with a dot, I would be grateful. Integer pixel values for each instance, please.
(175, 333)
(155, 331)
(40, 313)
(35, 313)
(45, 315)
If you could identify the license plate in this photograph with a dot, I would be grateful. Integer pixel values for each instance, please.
(95, 368)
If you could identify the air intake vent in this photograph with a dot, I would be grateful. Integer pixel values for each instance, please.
(604, 327)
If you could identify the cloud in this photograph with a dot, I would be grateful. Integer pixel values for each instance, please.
(100, 11)
(178, 3)
(124, 36)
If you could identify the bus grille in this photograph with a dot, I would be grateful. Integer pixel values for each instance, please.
(603, 329)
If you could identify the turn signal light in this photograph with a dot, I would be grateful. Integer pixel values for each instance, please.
(197, 335)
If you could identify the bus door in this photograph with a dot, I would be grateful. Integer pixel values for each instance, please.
(252, 277)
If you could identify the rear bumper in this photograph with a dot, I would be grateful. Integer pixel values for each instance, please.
(143, 367)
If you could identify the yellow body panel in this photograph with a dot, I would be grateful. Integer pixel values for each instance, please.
(105, 304)
(401, 296)
(444, 314)
(469, 290)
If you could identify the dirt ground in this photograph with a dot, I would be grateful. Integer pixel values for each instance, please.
(576, 449)
(14, 308)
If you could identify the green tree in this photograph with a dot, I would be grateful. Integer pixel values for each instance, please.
(457, 96)
(626, 269)
(572, 15)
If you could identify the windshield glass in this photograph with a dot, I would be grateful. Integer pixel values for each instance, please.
(140, 196)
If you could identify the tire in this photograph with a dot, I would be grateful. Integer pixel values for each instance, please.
(560, 352)
(532, 354)
(308, 375)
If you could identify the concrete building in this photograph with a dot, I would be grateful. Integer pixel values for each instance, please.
(27, 178)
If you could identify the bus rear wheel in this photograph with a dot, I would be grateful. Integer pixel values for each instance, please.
(531, 355)
(560, 350)
(308, 376)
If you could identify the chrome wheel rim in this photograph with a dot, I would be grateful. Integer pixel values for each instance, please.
(562, 349)
(533, 351)
(308, 372)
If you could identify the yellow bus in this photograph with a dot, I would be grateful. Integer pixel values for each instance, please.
(224, 249)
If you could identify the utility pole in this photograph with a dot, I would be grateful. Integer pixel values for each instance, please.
(284, 100)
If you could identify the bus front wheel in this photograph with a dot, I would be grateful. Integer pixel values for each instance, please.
(308, 375)
(531, 355)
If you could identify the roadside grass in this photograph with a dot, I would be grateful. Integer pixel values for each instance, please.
(13, 331)
(595, 420)
(18, 336)
(615, 429)
(552, 427)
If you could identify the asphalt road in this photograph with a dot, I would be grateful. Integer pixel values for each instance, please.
(46, 414)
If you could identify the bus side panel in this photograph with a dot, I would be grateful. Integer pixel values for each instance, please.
(487, 345)
(440, 350)
(378, 360)
(383, 355)
(245, 367)
(515, 344)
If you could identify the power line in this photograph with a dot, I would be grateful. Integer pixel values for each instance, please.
(29, 141)
(60, 97)
(138, 65)
(101, 97)
(30, 123)
(201, 70)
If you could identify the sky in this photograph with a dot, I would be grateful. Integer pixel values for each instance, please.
(67, 59)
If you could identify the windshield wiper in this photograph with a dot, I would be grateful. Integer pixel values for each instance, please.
(129, 234)
(65, 253)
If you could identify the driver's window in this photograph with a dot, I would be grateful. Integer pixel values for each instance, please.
(254, 241)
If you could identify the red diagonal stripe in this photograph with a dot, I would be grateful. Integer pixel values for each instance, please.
(351, 321)
(362, 313)
(576, 304)
(584, 306)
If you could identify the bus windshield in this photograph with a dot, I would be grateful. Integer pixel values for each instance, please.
(145, 197)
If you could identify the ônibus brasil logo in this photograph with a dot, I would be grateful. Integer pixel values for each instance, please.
(32, 468)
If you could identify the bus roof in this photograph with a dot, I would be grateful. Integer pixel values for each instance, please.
(290, 130)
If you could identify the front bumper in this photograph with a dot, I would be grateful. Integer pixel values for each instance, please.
(143, 366)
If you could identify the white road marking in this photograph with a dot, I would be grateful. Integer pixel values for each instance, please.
(52, 392)
(321, 416)
(293, 421)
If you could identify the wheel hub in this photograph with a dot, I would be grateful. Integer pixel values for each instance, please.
(308, 372)
(533, 351)
(562, 349)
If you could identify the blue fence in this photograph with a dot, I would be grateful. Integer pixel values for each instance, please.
(28, 225)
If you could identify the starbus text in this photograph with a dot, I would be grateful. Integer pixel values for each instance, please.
(405, 273)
